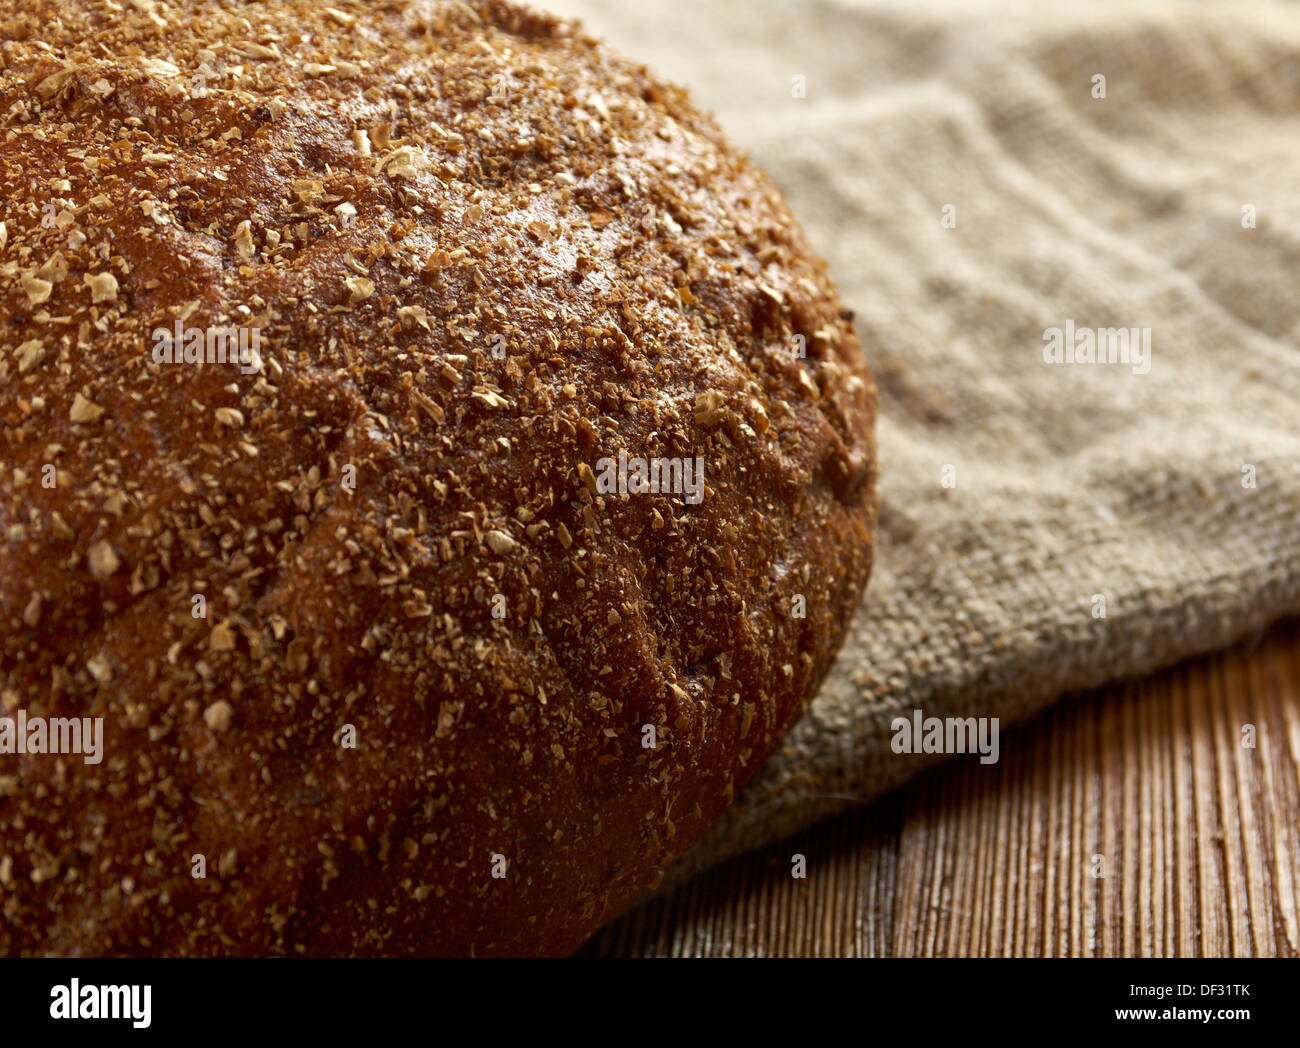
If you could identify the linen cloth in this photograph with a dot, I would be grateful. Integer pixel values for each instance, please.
(1044, 527)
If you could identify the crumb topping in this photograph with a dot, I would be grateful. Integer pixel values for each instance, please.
(452, 255)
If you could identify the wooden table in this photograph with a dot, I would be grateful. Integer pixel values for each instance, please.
(1195, 835)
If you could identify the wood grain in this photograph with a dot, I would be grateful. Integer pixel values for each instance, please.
(1199, 835)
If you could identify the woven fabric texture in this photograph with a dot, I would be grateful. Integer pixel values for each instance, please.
(972, 189)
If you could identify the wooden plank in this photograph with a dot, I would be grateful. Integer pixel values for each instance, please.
(1199, 832)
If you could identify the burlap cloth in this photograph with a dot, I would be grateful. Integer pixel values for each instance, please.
(1071, 481)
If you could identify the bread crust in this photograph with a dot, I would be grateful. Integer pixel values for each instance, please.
(482, 253)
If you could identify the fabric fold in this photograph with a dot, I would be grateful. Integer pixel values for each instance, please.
(975, 187)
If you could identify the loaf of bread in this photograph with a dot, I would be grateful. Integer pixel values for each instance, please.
(433, 465)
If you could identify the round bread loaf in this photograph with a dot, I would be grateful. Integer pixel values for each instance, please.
(431, 457)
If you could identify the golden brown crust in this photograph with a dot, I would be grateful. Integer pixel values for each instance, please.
(382, 189)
